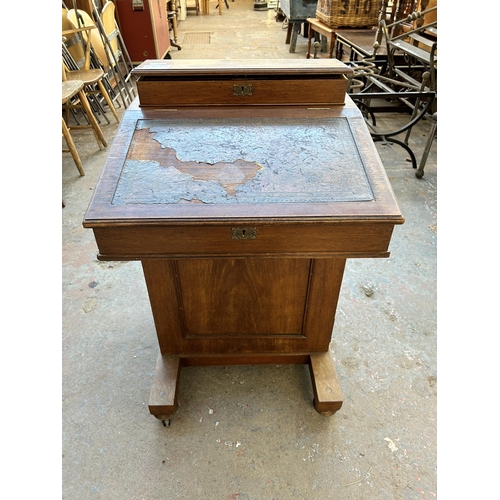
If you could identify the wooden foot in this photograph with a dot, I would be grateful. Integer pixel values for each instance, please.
(327, 392)
(163, 396)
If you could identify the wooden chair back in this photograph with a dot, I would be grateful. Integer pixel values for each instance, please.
(109, 24)
(86, 48)
(79, 18)
(73, 41)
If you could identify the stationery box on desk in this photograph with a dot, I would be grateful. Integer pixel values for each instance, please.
(312, 82)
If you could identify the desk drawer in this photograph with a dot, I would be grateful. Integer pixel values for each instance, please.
(242, 92)
(243, 240)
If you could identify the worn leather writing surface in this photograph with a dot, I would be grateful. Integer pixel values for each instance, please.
(242, 161)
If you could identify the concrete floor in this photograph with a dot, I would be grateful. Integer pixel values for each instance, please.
(251, 433)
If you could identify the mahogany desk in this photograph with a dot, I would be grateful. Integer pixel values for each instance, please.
(243, 218)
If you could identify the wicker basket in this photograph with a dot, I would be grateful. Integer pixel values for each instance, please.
(349, 13)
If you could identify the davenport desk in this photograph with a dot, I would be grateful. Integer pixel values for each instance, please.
(243, 187)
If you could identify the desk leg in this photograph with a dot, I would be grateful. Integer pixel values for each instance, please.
(163, 396)
(309, 40)
(332, 45)
(293, 40)
(339, 49)
(288, 33)
(327, 393)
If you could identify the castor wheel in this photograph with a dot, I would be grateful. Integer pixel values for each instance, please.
(324, 412)
(327, 413)
(164, 418)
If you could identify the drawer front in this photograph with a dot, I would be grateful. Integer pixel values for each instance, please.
(242, 92)
(142, 242)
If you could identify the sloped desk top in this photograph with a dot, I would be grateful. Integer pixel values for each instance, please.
(226, 164)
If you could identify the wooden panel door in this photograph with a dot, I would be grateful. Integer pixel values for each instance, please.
(243, 306)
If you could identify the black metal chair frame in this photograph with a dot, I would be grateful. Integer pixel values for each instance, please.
(423, 103)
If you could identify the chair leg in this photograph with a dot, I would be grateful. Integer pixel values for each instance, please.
(72, 148)
(101, 141)
(420, 171)
(104, 92)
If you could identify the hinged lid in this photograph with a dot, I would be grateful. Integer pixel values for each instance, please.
(272, 68)
(236, 164)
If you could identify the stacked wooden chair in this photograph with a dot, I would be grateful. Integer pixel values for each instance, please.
(84, 94)
(69, 91)
(92, 77)
(73, 97)
(109, 49)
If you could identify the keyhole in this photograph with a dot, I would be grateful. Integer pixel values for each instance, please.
(243, 231)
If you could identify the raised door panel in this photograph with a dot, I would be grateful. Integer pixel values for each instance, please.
(235, 297)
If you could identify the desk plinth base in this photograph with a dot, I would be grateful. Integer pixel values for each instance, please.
(164, 391)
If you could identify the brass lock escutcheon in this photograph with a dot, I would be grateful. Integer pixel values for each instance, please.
(242, 90)
(243, 233)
